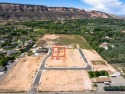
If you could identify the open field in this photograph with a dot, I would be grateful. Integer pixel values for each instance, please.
(21, 76)
(72, 59)
(65, 81)
(92, 55)
(66, 40)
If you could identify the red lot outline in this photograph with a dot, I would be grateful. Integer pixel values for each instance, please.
(57, 48)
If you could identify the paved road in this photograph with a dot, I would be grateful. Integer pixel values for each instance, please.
(39, 73)
(44, 60)
(42, 67)
(37, 79)
(64, 68)
(88, 67)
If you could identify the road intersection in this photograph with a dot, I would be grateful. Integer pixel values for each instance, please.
(42, 68)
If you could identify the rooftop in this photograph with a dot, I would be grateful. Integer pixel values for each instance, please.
(101, 80)
(2, 69)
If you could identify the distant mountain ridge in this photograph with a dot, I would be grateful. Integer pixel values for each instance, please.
(27, 12)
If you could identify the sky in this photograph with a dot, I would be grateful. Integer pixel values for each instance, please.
(116, 7)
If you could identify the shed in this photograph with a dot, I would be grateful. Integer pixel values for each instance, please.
(101, 80)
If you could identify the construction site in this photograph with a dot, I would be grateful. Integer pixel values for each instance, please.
(64, 68)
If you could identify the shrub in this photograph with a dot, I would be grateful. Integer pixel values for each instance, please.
(114, 88)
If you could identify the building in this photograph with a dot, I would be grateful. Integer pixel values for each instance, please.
(42, 50)
(104, 45)
(101, 80)
(11, 52)
(2, 70)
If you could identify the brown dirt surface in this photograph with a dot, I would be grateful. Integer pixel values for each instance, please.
(123, 31)
(21, 76)
(65, 81)
(47, 40)
(72, 59)
(92, 55)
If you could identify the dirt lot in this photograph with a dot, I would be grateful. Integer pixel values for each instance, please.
(47, 40)
(21, 76)
(69, 81)
(94, 56)
(72, 59)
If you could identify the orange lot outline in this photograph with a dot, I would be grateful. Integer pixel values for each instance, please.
(63, 50)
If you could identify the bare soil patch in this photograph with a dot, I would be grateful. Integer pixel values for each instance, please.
(65, 81)
(92, 55)
(72, 59)
(21, 76)
(123, 31)
(47, 40)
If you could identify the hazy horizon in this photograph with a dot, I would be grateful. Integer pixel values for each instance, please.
(116, 7)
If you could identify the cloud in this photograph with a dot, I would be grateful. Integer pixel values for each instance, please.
(109, 6)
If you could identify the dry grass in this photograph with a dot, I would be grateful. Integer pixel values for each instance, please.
(65, 40)
(98, 62)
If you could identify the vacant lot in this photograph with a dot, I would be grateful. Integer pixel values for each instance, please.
(72, 59)
(65, 81)
(21, 76)
(69, 41)
(94, 56)
(47, 40)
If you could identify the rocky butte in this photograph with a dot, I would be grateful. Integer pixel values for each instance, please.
(27, 12)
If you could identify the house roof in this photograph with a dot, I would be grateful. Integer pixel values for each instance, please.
(41, 50)
(101, 80)
(2, 69)
(10, 52)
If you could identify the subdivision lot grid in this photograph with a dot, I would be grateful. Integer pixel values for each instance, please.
(58, 52)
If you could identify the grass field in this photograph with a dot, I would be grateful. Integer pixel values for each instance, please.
(73, 40)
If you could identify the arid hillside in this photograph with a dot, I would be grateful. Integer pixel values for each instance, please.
(27, 12)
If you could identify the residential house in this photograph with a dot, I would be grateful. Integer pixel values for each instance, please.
(104, 45)
(11, 52)
(2, 70)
